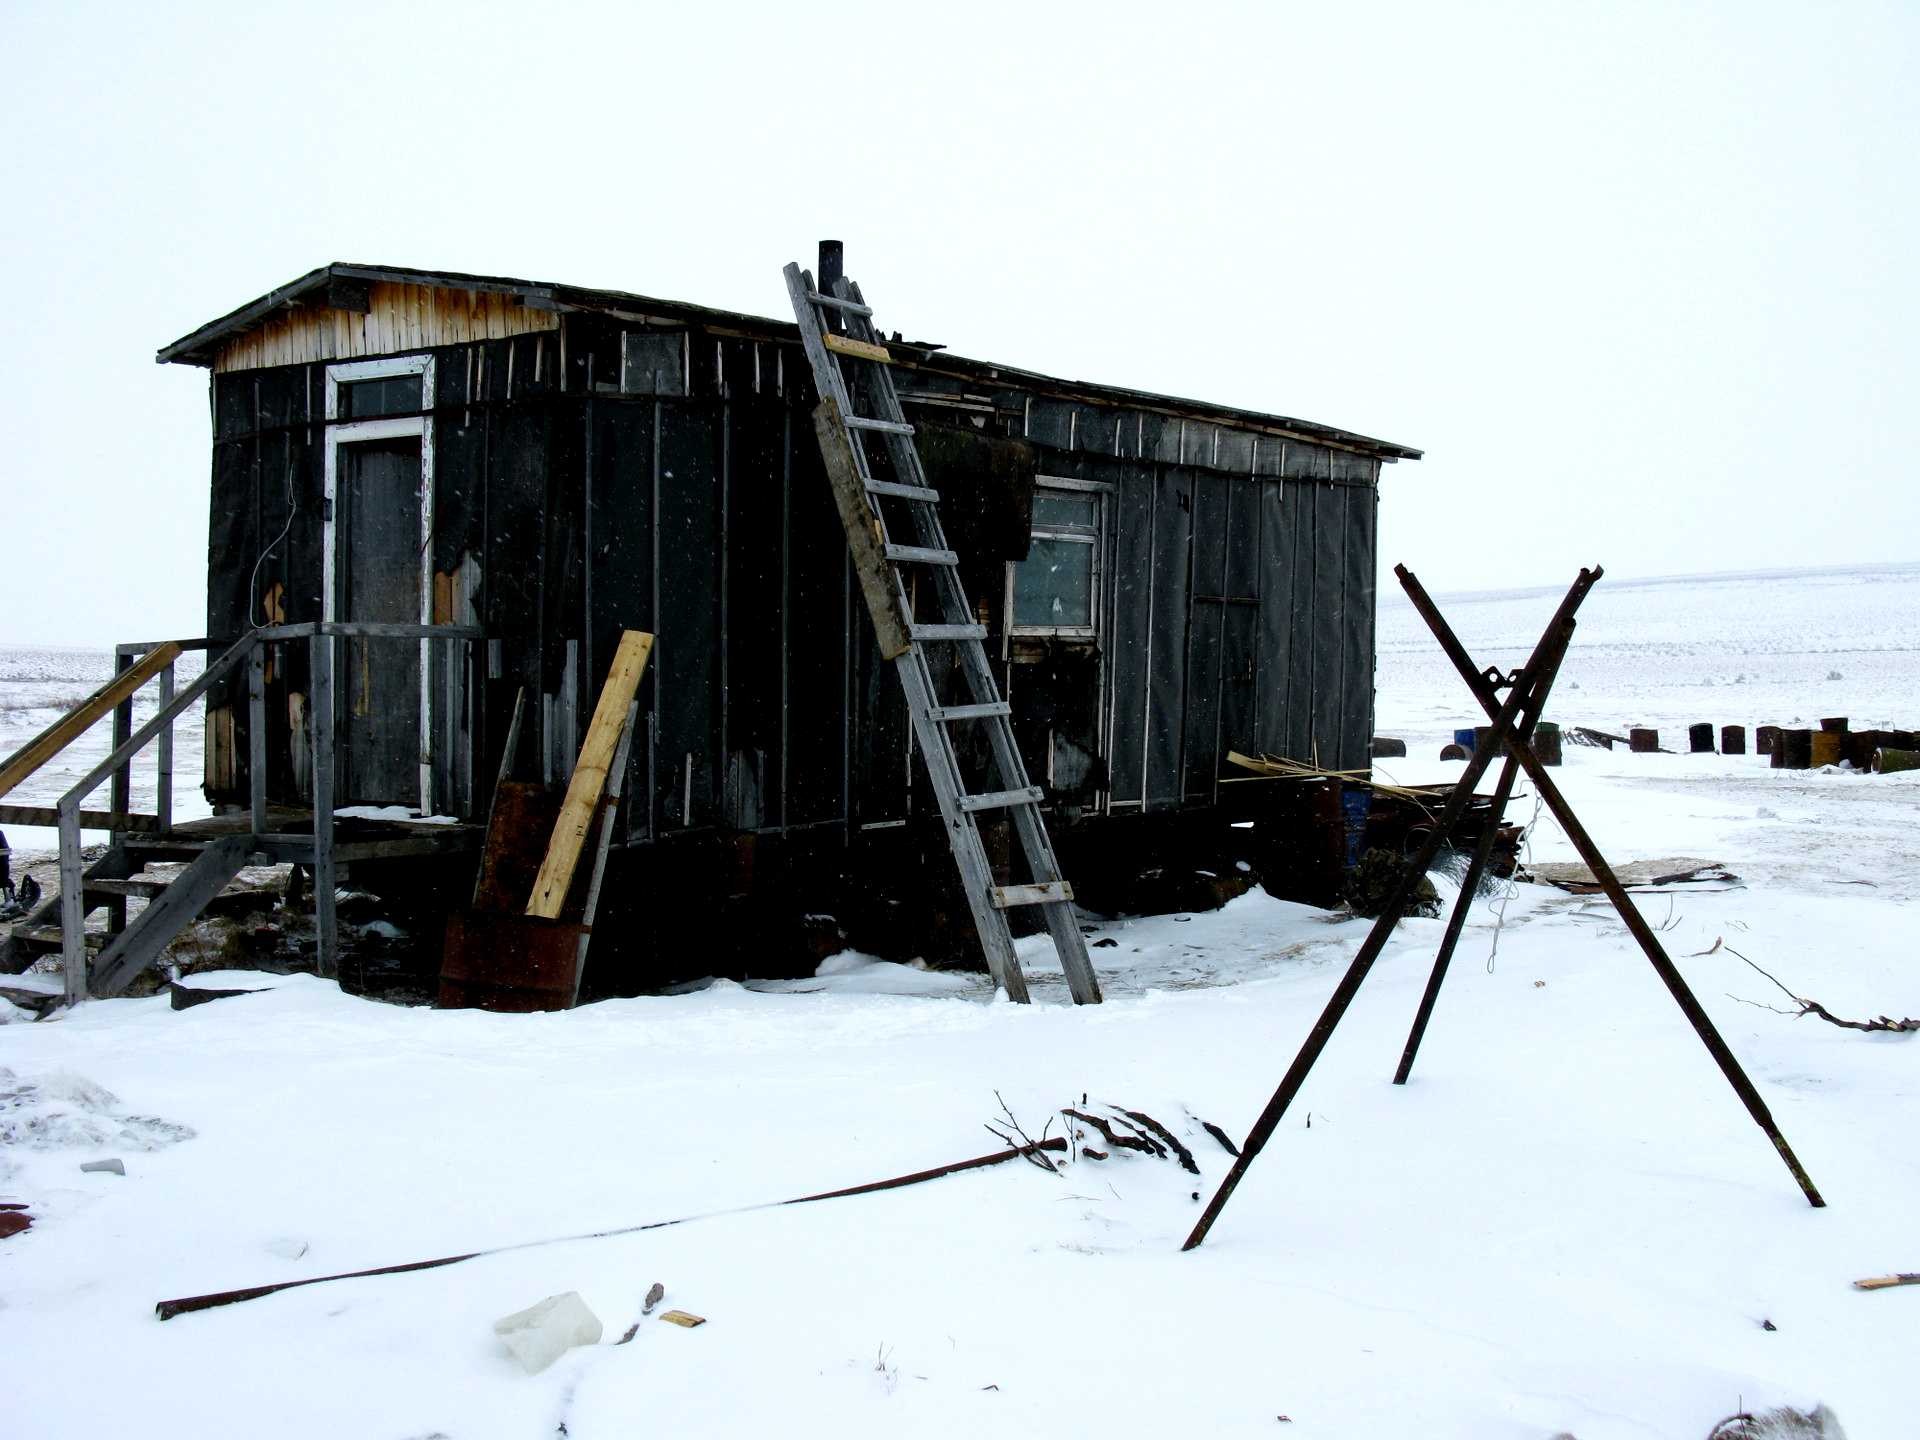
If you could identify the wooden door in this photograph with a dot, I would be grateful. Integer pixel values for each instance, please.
(378, 575)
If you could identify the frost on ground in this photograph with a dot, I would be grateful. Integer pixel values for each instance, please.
(1565, 1223)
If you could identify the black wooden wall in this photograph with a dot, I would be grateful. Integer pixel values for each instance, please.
(577, 498)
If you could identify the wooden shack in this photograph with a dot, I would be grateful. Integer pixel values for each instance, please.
(1165, 580)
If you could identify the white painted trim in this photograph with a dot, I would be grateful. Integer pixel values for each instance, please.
(390, 428)
(1095, 535)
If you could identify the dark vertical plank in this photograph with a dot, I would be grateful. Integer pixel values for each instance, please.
(1329, 618)
(1357, 634)
(687, 662)
(1305, 616)
(817, 662)
(1202, 752)
(1131, 521)
(1167, 673)
(1275, 639)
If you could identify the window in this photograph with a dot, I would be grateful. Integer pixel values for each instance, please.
(1056, 589)
(382, 395)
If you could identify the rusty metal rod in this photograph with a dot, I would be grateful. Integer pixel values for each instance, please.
(1530, 711)
(1609, 882)
(167, 1309)
(1316, 1041)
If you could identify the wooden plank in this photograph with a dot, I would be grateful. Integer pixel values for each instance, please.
(590, 775)
(858, 349)
(879, 583)
(89, 819)
(63, 732)
(1053, 892)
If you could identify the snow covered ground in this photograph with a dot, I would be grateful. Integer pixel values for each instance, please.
(1566, 1223)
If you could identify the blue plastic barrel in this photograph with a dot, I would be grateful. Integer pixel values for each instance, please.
(1464, 739)
(1355, 802)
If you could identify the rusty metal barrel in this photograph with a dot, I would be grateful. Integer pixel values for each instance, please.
(1798, 745)
(1857, 747)
(1765, 739)
(1546, 742)
(1700, 739)
(1891, 762)
(1835, 725)
(1825, 747)
(1387, 748)
(1733, 739)
(1644, 740)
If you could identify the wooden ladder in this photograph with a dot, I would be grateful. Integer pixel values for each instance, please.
(837, 328)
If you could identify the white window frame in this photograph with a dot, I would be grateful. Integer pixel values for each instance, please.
(349, 432)
(1099, 491)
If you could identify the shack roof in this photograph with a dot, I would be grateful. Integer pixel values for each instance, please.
(325, 285)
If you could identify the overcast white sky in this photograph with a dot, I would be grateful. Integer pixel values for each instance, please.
(1639, 279)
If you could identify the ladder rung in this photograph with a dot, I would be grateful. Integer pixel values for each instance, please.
(922, 555)
(970, 712)
(905, 492)
(852, 307)
(946, 632)
(885, 427)
(1001, 799)
(856, 349)
(1054, 892)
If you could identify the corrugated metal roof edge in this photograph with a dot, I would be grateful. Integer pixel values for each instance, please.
(196, 347)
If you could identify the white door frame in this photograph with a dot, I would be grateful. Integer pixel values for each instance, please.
(398, 427)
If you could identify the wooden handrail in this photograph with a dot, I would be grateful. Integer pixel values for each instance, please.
(207, 678)
(77, 721)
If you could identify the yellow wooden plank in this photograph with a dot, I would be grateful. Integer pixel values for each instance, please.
(859, 349)
(62, 733)
(589, 781)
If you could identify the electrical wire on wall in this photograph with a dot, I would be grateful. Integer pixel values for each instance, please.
(258, 600)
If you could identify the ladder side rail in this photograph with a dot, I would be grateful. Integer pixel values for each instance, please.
(1035, 844)
(831, 383)
(970, 856)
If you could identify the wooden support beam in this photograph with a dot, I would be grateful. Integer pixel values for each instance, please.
(64, 731)
(582, 804)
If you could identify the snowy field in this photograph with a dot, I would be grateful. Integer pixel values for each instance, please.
(39, 686)
(1565, 1225)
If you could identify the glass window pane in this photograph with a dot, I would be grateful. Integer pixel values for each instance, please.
(386, 395)
(1055, 508)
(1054, 584)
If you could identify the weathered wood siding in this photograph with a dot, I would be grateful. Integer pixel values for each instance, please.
(399, 318)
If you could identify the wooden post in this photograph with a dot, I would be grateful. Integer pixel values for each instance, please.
(550, 886)
(73, 905)
(257, 736)
(122, 791)
(326, 930)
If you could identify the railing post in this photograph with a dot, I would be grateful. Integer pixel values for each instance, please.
(73, 904)
(320, 718)
(163, 794)
(257, 735)
(122, 793)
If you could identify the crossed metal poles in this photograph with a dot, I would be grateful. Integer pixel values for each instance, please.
(1511, 729)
